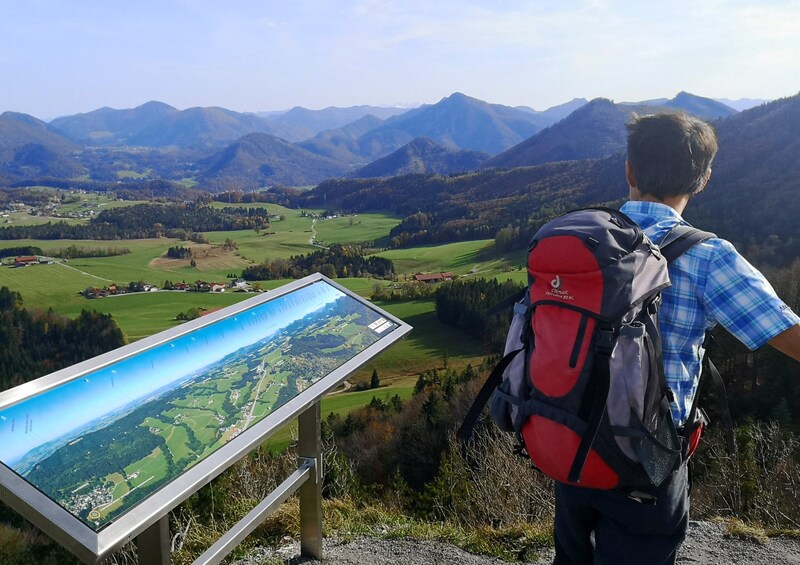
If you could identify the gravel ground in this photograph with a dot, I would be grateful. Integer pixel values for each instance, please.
(706, 544)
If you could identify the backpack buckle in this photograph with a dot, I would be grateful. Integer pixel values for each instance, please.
(605, 342)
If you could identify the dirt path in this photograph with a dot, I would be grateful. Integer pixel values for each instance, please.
(82, 272)
(706, 544)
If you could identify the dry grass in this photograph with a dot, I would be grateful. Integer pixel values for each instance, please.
(207, 257)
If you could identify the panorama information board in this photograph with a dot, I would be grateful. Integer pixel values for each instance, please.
(100, 442)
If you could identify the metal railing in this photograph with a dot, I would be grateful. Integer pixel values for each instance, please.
(153, 545)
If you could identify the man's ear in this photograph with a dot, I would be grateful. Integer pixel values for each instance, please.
(629, 175)
(633, 190)
(706, 178)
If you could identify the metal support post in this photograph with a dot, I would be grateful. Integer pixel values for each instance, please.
(152, 545)
(310, 447)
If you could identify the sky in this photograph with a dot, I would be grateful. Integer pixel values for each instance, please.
(51, 415)
(62, 57)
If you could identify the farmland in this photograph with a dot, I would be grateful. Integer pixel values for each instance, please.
(58, 285)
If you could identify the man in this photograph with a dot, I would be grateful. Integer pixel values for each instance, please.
(669, 161)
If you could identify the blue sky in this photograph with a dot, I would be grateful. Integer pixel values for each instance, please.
(61, 57)
(56, 412)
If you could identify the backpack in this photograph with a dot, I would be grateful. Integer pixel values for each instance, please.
(582, 378)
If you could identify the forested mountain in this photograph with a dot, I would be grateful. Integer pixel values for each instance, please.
(299, 124)
(555, 113)
(597, 130)
(476, 205)
(458, 121)
(108, 126)
(705, 108)
(594, 130)
(198, 127)
(751, 199)
(30, 147)
(423, 156)
(159, 125)
(259, 160)
(156, 142)
(342, 143)
(754, 192)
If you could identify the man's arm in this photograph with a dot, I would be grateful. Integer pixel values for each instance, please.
(788, 342)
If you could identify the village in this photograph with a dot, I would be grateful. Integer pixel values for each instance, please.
(237, 285)
(116, 289)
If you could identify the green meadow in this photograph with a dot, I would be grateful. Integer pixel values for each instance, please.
(466, 258)
(343, 403)
(430, 344)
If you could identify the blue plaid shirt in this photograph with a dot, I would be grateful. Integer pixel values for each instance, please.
(711, 284)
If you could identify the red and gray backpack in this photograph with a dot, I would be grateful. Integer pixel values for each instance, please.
(582, 380)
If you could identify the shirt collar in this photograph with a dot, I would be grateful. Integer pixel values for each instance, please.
(654, 218)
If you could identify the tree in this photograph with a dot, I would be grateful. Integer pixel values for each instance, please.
(375, 381)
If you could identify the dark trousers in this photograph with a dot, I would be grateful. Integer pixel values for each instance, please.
(594, 527)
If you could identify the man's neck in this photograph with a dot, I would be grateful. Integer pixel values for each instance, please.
(677, 203)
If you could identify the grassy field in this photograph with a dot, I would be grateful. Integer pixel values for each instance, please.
(466, 258)
(343, 403)
(57, 286)
(359, 227)
(291, 233)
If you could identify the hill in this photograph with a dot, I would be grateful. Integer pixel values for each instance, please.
(594, 130)
(300, 123)
(257, 160)
(423, 156)
(476, 205)
(197, 127)
(156, 124)
(108, 126)
(29, 147)
(701, 107)
(342, 143)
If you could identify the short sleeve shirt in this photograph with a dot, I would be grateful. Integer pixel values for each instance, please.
(711, 284)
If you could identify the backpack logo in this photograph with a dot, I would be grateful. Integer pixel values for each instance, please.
(556, 292)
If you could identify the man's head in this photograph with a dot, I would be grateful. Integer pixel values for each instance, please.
(670, 154)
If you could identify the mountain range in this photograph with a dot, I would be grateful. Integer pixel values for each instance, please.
(212, 140)
(751, 199)
(597, 129)
(221, 149)
(441, 180)
(258, 158)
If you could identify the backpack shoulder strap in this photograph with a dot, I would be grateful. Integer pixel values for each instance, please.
(464, 432)
(680, 239)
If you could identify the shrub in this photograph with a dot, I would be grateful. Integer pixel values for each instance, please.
(759, 483)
